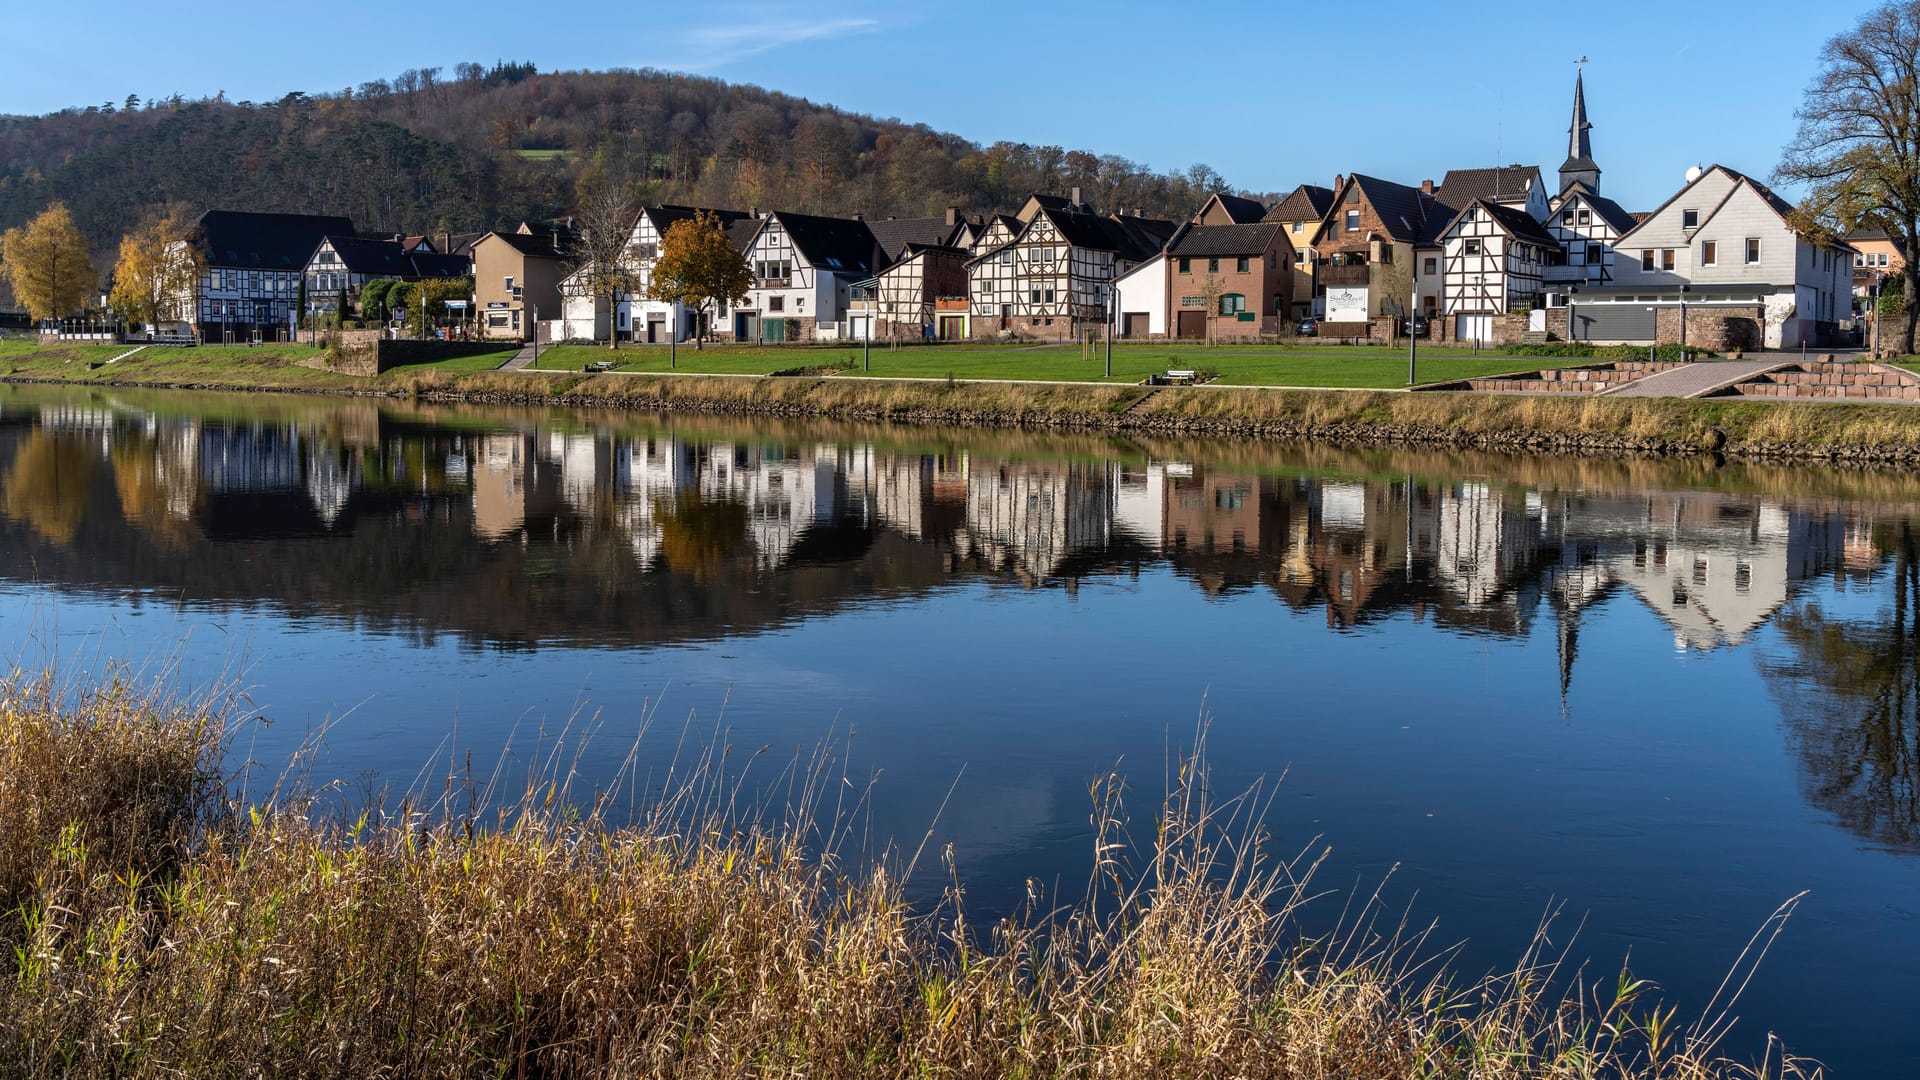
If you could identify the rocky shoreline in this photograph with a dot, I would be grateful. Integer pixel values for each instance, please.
(1578, 427)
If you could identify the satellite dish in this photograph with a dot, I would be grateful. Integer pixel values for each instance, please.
(1695, 172)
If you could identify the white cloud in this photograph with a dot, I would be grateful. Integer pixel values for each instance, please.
(725, 38)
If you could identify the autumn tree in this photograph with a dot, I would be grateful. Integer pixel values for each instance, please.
(603, 271)
(153, 278)
(1858, 146)
(698, 268)
(45, 261)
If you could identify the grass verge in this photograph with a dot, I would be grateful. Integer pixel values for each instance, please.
(153, 929)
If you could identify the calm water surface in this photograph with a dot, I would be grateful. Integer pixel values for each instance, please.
(1664, 696)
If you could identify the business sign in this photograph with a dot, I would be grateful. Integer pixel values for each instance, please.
(497, 305)
(454, 305)
(1346, 303)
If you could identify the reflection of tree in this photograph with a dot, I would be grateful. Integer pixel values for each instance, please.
(149, 491)
(697, 534)
(1852, 694)
(50, 484)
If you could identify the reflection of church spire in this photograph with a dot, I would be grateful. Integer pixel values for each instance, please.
(1567, 626)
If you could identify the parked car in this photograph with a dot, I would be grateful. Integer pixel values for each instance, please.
(1309, 327)
(1419, 326)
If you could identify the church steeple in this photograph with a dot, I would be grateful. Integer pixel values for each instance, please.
(1580, 166)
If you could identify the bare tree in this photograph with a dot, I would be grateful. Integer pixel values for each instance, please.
(1211, 290)
(1858, 146)
(602, 269)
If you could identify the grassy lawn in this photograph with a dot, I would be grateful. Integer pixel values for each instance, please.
(262, 365)
(1252, 365)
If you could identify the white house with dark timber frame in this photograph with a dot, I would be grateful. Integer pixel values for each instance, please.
(803, 268)
(1521, 187)
(1587, 224)
(1056, 278)
(1494, 261)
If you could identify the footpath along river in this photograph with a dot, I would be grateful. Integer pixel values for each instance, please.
(1660, 696)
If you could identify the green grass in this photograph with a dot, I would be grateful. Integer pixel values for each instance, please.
(1250, 365)
(543, 155)
(278, 366)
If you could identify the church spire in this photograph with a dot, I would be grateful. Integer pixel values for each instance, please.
(1580, 166)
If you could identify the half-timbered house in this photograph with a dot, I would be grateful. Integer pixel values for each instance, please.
(921, 295)
(1056, 277)
(343, 265)
(1518, 186)
(1494, 263)
(803, 268)
(1587, 224)
(635, 316)
(251, 269)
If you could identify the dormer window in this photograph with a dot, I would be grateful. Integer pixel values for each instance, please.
(1689, 219)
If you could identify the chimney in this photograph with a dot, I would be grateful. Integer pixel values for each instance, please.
(1337, 181)
(446, 243)
(953, 216)
(858, 217)
(1426, 187)
(399, 238)
(1076, 197)
(753, 212)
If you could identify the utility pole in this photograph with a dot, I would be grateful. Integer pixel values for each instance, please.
(1413, 340)
(535, 328)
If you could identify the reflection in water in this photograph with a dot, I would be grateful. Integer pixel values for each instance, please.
(515, 530)
(1850, 693)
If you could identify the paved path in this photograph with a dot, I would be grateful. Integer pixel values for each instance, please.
(520, 360)
(1696, 379)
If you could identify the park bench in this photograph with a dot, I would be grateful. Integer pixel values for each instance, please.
(599, 365)
(1179, 377)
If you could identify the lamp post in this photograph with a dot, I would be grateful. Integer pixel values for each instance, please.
(1413, 339)
(1572, 291)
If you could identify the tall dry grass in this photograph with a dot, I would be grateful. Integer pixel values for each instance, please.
(156, 930)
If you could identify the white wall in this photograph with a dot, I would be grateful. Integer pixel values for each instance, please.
(1144, 289)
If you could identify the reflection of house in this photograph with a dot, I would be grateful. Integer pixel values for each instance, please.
(1033, 516)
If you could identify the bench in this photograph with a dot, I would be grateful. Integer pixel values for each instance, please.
(1179, 377)
(599, 365)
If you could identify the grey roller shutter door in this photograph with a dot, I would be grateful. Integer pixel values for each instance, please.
(1614, 322)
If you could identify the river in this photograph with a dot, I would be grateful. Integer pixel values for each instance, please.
(1660, 697)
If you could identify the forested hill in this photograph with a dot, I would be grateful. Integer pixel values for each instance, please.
(490, 147)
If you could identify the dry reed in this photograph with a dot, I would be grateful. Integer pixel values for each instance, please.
(157, 929)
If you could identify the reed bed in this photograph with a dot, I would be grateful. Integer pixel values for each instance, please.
(158, 926)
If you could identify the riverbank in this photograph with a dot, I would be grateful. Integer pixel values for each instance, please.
(1806, 431)
(152, 926)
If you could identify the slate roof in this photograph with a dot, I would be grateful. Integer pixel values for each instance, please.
(893, 234)
(1517, 222)
(428, 264)
(1402, 210)
(235, 239)
(462, 243)
(1242, 211)
(740, 233)
(842, 245)
(537, 245)
(1305, 203)
(1212, 240)
(1611, 212)
(1147, 236)
(379, 258)
(1460, 187)
(666, 216)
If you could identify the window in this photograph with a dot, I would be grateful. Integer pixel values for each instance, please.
(1049, 298)
(1689, 219)
(1586, 217)
(1709, 253)
(1470, 247)
(1883, 258)
(1232, 304)
(1299, 258)
(1006, 256)
(776, 303)
(1193, 301)
(1299, 227)
(1646, 261)
(1666, 259)
(1860, 260)
(1566, 217)
(506, 283)
(1753, 250)
(1186, 265)
(1213, 266)
(1431, 267)
(1353, 221)
(1033, 296)
(1242, 265)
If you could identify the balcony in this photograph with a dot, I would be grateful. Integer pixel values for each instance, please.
(1345, 275)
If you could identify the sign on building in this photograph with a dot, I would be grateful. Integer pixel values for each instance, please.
(1346, 303)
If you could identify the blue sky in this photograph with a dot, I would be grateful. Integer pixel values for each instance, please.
(1270, 95)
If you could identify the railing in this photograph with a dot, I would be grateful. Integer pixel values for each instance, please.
(776, 283)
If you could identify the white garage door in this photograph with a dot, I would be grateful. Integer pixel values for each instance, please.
(1472, 327)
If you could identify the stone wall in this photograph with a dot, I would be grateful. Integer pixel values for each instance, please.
(368, 352)
(1718, 328)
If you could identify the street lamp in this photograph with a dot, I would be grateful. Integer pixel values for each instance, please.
(1413, 340)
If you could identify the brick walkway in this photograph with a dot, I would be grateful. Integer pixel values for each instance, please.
(1696, 379)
